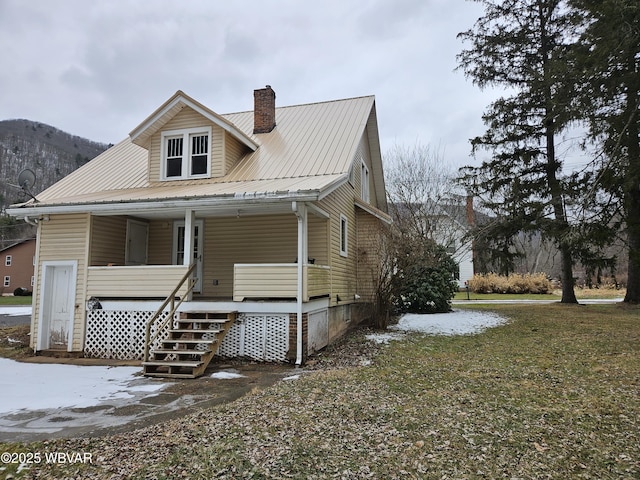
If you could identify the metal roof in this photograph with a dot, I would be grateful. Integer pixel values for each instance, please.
(310, 150)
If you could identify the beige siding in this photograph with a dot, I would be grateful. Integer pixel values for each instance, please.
(217, 152)
(234, 151)
(64, 238)
(148, 281)
(160, 242)
(265, 281)
(257, 239)
(343, 269)
(370, 254)
(108, 235)
(187, 118)
(278, 281)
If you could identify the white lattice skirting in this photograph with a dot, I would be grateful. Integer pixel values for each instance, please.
(120, 335)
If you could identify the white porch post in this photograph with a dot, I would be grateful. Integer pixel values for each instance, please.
(300, 210)
(189, 235)
(189, 241)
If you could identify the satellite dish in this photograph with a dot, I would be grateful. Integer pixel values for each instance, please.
(27, 179)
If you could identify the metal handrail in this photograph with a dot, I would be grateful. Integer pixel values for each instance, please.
(169, 300)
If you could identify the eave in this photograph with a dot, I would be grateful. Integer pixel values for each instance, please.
(141, 135)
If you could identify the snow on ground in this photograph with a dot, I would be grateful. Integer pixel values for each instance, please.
(457, 322)
(34, 386)
(15, 311)
(226, 375)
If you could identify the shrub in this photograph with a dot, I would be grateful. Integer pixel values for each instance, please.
(515, 283)
(424, 280)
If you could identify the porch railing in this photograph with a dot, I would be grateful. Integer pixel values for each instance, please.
(170, 300)
(278, 280)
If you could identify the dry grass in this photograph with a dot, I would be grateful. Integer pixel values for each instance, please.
(553, 394)
(14, 341)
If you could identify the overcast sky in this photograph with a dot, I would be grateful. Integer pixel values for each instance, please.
(98, 68)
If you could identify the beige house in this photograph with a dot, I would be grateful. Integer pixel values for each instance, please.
(247, 234)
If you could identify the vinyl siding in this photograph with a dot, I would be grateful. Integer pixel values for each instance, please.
(257, 239)
(343, 269)
(146, 281)
(108, 238)
(65, 237)
(160, 242)
(187, 118)
(234, 151)
(369, 253)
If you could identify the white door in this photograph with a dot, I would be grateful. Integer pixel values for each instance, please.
(178, 249)
(56, 310)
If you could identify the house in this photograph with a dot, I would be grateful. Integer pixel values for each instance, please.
(247, 234)
(16, 266)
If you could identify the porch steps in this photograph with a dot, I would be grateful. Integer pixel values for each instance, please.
(186, 353)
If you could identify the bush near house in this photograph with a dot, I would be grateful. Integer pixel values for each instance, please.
(424, 280)
(515, 283)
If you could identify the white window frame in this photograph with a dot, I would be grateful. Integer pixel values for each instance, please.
(7, 281)
(344, 236)
(364, 183)
(186, 134)
(7, 261)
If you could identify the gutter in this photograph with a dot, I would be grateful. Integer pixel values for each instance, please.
(136, 207)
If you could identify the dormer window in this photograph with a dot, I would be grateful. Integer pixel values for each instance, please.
(186, 154)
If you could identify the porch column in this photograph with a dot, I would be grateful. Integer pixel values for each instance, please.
(300, 210)
(189, 235)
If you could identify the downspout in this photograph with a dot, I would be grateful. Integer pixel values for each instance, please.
(300, 211)
(33, 222)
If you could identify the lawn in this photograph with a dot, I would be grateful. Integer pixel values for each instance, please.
(12, 300)
(555, 393)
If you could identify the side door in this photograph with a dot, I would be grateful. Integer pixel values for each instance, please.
(57, 306)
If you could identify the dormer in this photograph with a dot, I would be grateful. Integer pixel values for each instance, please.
(187, 141)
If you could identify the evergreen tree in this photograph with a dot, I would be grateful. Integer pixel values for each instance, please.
(610, 98)
(525, 47)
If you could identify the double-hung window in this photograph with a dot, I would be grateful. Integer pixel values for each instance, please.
(186, 154)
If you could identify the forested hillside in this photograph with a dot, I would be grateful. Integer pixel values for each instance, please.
(49, 152)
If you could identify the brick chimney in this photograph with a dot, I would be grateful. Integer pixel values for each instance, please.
(471, 214)
(264, 112)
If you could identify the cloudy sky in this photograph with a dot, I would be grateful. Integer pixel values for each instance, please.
(98, 68)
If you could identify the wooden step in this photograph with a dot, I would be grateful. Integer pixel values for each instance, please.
(189, 357)
(172, 363)
(192, 330)
(173, 351)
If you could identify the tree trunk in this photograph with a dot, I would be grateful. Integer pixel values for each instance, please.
(632, 192)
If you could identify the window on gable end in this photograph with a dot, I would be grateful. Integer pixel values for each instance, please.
(344, 236)
(7, 261)
(364, 182)
(186, 154)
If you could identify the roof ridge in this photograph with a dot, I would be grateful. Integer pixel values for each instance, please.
(305, 104)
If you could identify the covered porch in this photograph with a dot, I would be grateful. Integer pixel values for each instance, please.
(246, 262)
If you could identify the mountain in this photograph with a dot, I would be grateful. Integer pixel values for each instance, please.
(49, 152)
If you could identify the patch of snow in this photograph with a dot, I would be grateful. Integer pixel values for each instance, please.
(36, 386)
(292, 377)
(15, 311)
(384, 337)
(457, 322)
(226, 375)
(12, 340)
